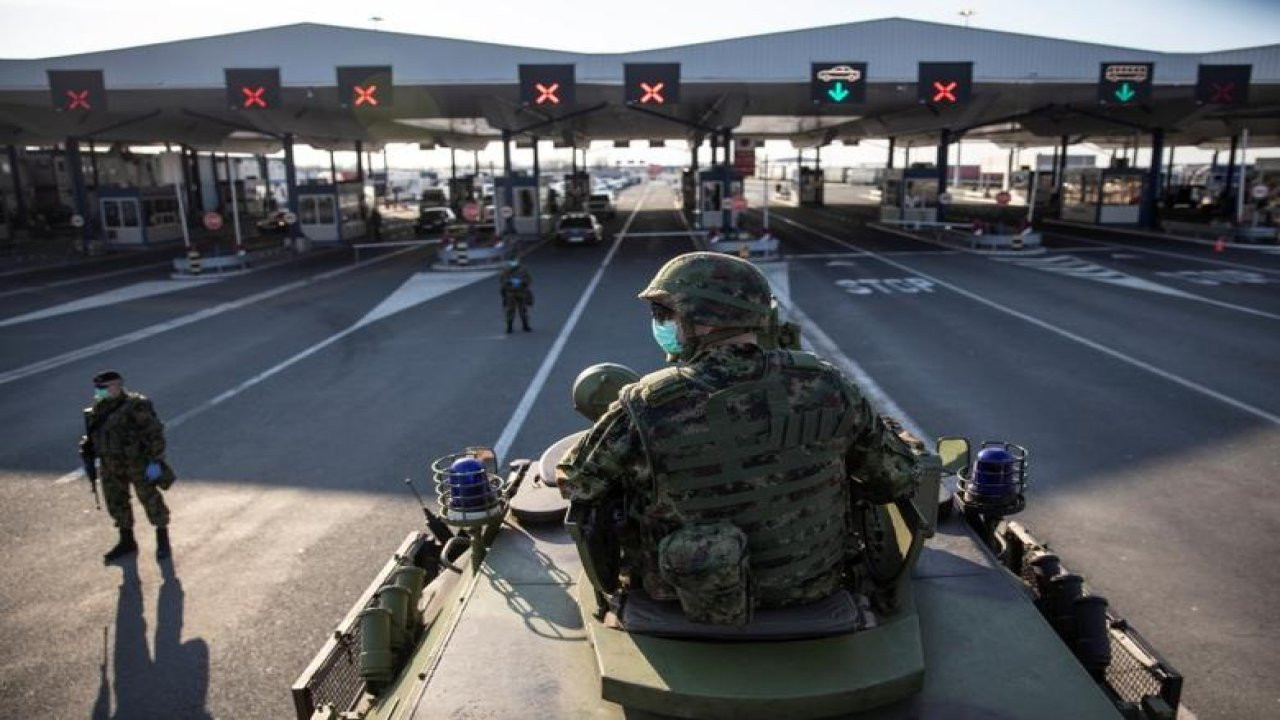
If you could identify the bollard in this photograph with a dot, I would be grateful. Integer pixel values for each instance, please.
(460, 252)
(193, 261)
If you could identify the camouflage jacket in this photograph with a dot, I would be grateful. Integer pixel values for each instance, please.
(856, 455)
(131, 432)
(516, 282)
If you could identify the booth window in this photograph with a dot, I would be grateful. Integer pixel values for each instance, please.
(130, 209)
(1122, 190)
(111, 213)
(307, 210)
(324, 208)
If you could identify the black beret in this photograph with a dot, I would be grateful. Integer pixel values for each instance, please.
(106, 376)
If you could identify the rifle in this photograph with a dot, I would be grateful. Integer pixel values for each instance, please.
(88, 453)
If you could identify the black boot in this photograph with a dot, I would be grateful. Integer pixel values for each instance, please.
(163, 551)
(126, 546)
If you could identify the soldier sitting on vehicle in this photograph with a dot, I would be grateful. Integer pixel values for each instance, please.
(736, 468)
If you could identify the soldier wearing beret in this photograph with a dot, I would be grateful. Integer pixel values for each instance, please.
(125, 437)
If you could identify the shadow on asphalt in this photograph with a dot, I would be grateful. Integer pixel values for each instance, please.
(172, 684)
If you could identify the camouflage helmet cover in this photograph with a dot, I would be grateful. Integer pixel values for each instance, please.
(598, 386)
(713, 289)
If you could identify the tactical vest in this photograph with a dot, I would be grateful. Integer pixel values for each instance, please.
(765, 454)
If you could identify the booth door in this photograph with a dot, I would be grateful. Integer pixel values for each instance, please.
(120, 221)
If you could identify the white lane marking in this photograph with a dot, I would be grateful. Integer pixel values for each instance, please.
(508, 435)
(1166, 253)
(813, 336)
(416, 290)
(153, 330)
(137, 291)
(1112, 352)
(84, 279)
(1079, 268)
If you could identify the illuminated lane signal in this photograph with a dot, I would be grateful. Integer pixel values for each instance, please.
(1223, 84)
(253, 88)
(79, 90)
(837, 83)
(547, 85)
(652, 83)
(365, 87)
(1125, 83)
(944, 83)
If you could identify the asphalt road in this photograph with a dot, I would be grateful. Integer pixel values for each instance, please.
(298, 397)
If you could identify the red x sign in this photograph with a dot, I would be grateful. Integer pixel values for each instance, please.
(1224, 92)
(253, 96)
(944, 92)
(652, 93)
(365, 96)
(547, 93)
(78, 100)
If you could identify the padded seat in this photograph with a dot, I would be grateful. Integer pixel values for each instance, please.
(834, 615)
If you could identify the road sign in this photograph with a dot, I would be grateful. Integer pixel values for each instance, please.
(744, 161)
(77, 221)
(470, 212)
(79, 90)
(547, 86)
(1125, 83)
(507, 212)
(944, 83)
(1260, 192)
(838, 83)
(253, 88)
(652, 83)
(365, 87)
(289, 218)
(212, 221)
(1003, 198)
(1223, 84)
(944, 198)
(739, 203)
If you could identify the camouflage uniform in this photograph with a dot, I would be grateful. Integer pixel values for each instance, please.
(517, 294)
(826, 418)
(131, 437)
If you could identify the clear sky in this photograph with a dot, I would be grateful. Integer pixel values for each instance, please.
(45, 28)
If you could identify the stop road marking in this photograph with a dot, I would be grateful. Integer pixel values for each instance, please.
(886, 286)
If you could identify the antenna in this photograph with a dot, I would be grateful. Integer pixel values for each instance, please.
(434, 523)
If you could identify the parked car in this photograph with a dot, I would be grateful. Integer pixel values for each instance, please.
(601, 205)
(273, 223)
(577, 228)
(433, 220)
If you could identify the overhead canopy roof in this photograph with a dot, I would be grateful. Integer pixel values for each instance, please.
(1026, 89)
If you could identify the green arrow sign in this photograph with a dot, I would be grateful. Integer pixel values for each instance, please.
(839, 92)
(1125, 93)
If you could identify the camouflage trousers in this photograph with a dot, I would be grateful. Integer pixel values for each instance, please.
(513, 303)
(116, 479)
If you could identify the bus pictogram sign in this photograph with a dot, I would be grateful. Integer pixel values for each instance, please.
(253, 88)
(1125, 83)
(547, 86)
(652, 83)
(79, 90)
(365, 87)
(944, 83)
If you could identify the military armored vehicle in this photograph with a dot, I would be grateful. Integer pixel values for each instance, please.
(505, 605)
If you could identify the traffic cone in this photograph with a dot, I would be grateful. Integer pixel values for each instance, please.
(1220, 244)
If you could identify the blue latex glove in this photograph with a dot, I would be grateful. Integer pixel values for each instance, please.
(153, 472)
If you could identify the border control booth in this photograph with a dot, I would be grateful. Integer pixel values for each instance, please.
(812, 187)
(526, 202)
(909, 195)
(139, 216)
(1103, 196)
(330, 213)
(718, 185)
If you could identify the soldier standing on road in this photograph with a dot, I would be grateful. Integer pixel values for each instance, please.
(737, 467)
(517, 293)
(123, 433)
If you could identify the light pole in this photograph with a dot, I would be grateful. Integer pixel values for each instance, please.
(966, 14)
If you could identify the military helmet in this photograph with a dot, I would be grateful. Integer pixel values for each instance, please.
(713, 289)
(598, 386)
